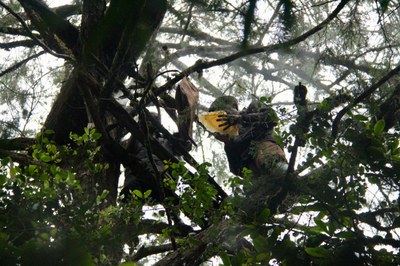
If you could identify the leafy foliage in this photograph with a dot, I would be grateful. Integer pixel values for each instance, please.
(45, 215)
(338, 202)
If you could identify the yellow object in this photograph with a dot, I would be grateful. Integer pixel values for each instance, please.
(209, 120)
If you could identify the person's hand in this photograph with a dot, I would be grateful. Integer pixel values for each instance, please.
(228, 120)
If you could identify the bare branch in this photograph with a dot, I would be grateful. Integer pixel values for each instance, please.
(13, 31)
(196, 35)
(365, 94)
(21, 158)
(200, 65)
(21, 63)
(16, 144)
(23, 43)
(32, 36)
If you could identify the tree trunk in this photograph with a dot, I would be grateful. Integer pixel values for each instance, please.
(109, 40)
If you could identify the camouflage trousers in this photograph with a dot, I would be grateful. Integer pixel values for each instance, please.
(268, 164)
(268, 159)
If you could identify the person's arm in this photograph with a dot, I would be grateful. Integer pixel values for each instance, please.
(266, 118)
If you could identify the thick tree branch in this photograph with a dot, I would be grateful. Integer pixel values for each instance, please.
(22, 43)
(32, 36)
(68, 113)
(147, 226)
(13, 31)
(64, 11)
(58, 33)
(122, 115)
(21, 63)
(151, 250)
(16, 144)
(341, 60)
(69, 105)
(365, 94)
(222, 233)
(211, 89)
(197, 35)
(378, 240)
(92, 13)
(67, 10)
(89, 88)
(20, 158)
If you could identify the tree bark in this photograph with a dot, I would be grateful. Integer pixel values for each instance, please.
(109, 40)
(224, 234)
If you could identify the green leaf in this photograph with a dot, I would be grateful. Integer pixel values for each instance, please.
(32, 169)
(379, 127)
(264, 256)
(360, 117)
(321, 225)
(14, 171)
(345, 234)
(4, 236)
(96, 136)
(318, 252)
(394, 144)
(260, 243)
(138, 193)
(45, 158)
(147, 194)
(49, 131)
(238, 260)
(225, 259)
(46, 183)
(262, 218)
(128, 264)
(5, 161)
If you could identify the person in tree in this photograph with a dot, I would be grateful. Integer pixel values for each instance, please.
(254, 148)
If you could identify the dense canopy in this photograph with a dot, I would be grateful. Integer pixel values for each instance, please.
(99, 97)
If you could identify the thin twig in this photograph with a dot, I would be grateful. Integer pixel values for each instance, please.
(201, 65)
(185, 28)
